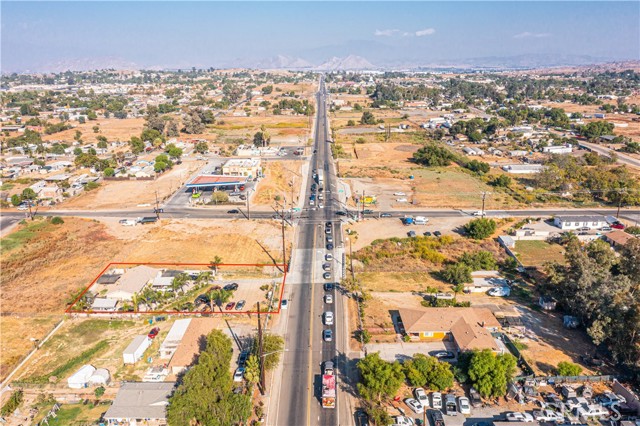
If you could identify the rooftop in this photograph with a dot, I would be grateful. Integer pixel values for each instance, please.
(140, 401)
(190, 346)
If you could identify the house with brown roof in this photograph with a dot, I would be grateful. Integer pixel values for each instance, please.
(468, 328)
(617, 238)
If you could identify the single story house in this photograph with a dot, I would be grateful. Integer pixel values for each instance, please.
(132, 281)
(558, 149)
(618, 238)
(174, 337)
(577, 222)
(523, 169)
(104, 304)
(190, 345)
(138, 403)
(133, 353)
(483, 281)
(164, 279)
(108, 278)
(467, 328)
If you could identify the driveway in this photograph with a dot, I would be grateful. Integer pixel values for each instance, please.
(402, 351)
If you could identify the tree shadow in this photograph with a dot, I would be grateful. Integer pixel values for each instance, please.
(348, 374)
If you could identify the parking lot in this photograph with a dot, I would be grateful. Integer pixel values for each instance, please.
(251, 291)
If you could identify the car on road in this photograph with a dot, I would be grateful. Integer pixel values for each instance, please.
(401, 200)
(327, 335)
(328, 257)
(153, 333)
(328, 224)
(284, 304)
(519, 417)
(329, 246)
(341, 213)
(399, 194)
(326, 266)
(328, 298)
(463, 405)
(231, 287)
(362, 418)
(421, 397)
(386, 215)
(238, 376)
(327, 230)
(315, 151)
(436, 400)
(329, 239)
(368, 211)
(442, 354)
(328, 286)
(326, 275)
(328, 318)
(233, 211)
(479, 213)
(415, 406)
(230, 306)
(548, 416)
(240, 305)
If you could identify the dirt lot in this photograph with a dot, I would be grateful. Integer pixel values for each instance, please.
(278, 177)
(131, 193)
(112, 128)
(60, 260)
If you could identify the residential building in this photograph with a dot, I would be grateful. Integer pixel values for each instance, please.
(558, 149)
(132, 281)
(618, 238)
(190, 345)
(101, 304)
(523, 169)
(140, 403)
(578, 222)
(467, 328)
(174, 337)
(249, 167)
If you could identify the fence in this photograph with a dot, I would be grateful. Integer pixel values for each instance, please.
(118, 178)
(522, 363)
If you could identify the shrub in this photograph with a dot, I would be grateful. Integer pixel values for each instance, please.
(568, 369)
(99, 391)
(479, 229)
(91, 185)
(13, 403)
(457, 273)
(57, 220)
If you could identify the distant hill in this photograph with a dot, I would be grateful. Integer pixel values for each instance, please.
(283, 62)
(351, 62)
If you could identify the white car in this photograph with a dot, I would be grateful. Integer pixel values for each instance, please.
(421, 396)
(403, 421)
(328, 257)
(463, 405)
(415, 406)
(548, 416)
(436, 400)
(399, 194)
(23, 207)
(401, 200)
(479, 213)
(519, 417)
(328, 318)
(239, 374)
(328, 298)
(499, 291)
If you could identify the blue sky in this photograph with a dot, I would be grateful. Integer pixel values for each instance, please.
(181, 34)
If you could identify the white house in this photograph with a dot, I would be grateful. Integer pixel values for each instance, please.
(558, 149)
(135, 350)
(104, 304)
(523, 169)
(577, 222)
(174, 337)
(140, 403)
(80, 378)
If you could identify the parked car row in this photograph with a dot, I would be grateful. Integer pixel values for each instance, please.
(450, 403)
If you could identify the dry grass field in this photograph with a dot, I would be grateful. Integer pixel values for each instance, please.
(537, 253)
(112, 128)
(45, 267)
(278, 176)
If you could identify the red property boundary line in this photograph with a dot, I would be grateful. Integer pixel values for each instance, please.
(284, 267)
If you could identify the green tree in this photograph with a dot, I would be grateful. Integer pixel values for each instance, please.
(380, 379)
(272, 346)
(351, 123)
(479, 167)
(173, 151)
(99, 391)
(205, 397)
(479, 260)
(568, 369)
(109, 171)
(201, 147)
(479, 229)
(219, 297)
(261, 139)
(503, 181)
(490, 374)
(252, 370)
(432, 155)
(427, 371)
(77, 136)
(215, 263)
(457, 273)
(16, 200)
(367, 118)
(137, 146)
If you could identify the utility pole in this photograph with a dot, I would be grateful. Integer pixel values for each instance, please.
(484, 195)
(248, 204)
(619, 204)
(260, 356)
(284, 247)
(157, 209)
(363, 204)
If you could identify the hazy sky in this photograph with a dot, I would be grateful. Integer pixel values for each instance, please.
(180, 34)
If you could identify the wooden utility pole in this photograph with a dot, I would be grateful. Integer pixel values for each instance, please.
(260, 354)
(484, 195)
(157, 209)
(284, 247)
(248, 204)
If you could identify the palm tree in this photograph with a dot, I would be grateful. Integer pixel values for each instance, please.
(217, 260)
(219, 296)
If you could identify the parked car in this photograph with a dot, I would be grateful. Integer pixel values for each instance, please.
(386, 215)
(367, 211)
(284, 304)
(328, 298)
(329, 246)
(326, 266)
(328, 257)
(238, 376)
(442, 354)
(403, 421)
(233, 211)
(201, 300)
(421, 397)
(401, 200)
(474, 397)
(329, 239)
(463, 405)
(548, 416)
(399, 194)
(341, 213)
(328, 224)
(328, 286)
(230, 306)
(426, 234)
(436, 416)
(436, 400)
(608, 399)
(415, 406)
(327, 335)
(499, 291)
(327, 230)
(326, 275)
(153, 333)
(231, 287)
(240, 305)
(519, 417)
(244, 355)
(450, 405)
(617, 226)
(411, 234)
(437, 233)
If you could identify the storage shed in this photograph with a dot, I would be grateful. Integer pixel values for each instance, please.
(100, 377)
(136, 349)
(80, 378)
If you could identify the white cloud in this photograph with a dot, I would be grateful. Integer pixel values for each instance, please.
(386, 33)
(527, 34)
(425, 32)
